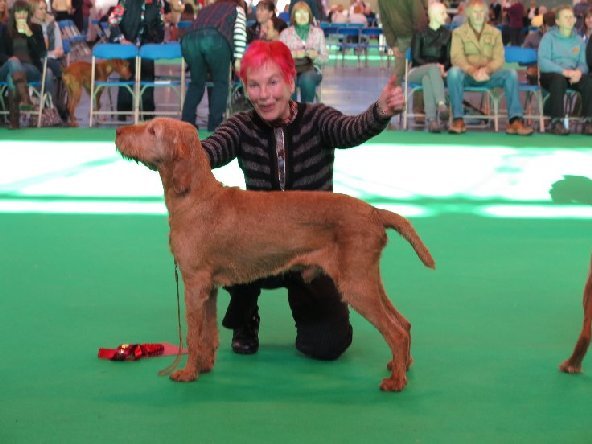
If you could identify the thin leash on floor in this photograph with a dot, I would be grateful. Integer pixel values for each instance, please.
(172, 367)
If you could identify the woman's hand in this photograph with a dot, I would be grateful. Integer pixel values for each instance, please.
(391, 100)
(312, 54)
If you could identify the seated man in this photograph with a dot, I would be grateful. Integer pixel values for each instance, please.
(477, 56)
(562, 65)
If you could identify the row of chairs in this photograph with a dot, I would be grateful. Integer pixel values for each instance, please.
(169, 53)
(491, 97)
(40, 95)
(359, 38)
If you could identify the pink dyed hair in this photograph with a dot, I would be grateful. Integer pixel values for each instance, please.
(261, 52)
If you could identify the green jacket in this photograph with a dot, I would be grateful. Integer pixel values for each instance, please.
(402, 18)
(469, 54)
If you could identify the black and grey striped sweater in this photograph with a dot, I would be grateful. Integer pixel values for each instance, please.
(310, 141)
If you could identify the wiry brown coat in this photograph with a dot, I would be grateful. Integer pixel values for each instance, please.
(77, 76)
(222, 236)
(574, 363)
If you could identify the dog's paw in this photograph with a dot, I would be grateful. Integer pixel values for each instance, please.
(207, 365)
(393, 384)
(184, 376)
(568, 367)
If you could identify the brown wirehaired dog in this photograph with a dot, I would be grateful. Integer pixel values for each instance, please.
(574, 363)
(77, 76)
(223, 236)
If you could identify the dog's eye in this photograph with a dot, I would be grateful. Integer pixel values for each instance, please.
(151, 131)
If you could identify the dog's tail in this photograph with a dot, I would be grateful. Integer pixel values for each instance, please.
(405, 229)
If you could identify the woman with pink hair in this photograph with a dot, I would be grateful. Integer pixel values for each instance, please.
(282, 145)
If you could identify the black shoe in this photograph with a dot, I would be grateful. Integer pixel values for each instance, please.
(245, 339)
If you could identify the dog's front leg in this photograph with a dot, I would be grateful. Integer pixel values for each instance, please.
(196, 298)
(209, 339)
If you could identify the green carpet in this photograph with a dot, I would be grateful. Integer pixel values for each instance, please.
(490, 327)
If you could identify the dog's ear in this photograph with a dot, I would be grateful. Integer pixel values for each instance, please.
(181, 176)
(181, 165)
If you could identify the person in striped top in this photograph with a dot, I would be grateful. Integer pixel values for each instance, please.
(282, 145)
(217, 38)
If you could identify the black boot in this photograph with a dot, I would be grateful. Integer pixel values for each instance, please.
(22, 89)
(14, 115)
(245, 339)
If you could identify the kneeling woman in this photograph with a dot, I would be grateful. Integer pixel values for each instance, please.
(307, 44)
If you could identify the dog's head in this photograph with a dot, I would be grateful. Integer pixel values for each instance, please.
(166, 145)
(121, 67)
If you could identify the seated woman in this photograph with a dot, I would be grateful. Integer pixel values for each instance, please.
(21, 49)
(55, 50)
(307, 44)
(430, 51)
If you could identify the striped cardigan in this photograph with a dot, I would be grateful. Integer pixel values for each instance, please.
(310, 141)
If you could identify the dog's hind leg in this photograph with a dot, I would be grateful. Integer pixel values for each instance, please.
(197, 294)
(403, 322)
(574, 363)
(363, 291)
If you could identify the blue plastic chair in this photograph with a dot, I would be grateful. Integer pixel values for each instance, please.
(170, 53)
(110, 51)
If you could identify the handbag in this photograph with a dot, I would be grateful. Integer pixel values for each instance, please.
(303, 64)
(49, 118)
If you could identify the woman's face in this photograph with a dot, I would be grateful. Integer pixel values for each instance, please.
(269, 91)
(301, 16)
(21, 16)
(2, 6)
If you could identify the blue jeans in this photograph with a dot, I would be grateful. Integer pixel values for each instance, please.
(13, 65)
(206, 52)
(503, 78)
(307, 82)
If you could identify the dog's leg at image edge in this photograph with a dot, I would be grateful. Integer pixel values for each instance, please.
(574, 363)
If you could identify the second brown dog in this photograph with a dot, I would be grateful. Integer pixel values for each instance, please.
(77, 76)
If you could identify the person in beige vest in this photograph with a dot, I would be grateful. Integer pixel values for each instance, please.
(477, 56)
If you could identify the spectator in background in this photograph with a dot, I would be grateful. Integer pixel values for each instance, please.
(459, 18)
(586, 29)
(580, 9)
(55, 51)
(400, 20)
(430, 55)
(316, 7)
(495, 12)
(62, 9)
(562, 65)
(307, 44)
(515, 14)
(216, 40)
(3, 12)
(338, 14)
(21, 50)
(188, 13)
(137, 22)
(357, 16)
(267, 26)
(543, 23)
(477, 56)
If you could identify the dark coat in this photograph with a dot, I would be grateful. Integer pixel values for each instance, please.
(35, 43)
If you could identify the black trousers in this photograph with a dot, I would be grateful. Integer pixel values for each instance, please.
(124, 97)
(557, 85)
(323, 330)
